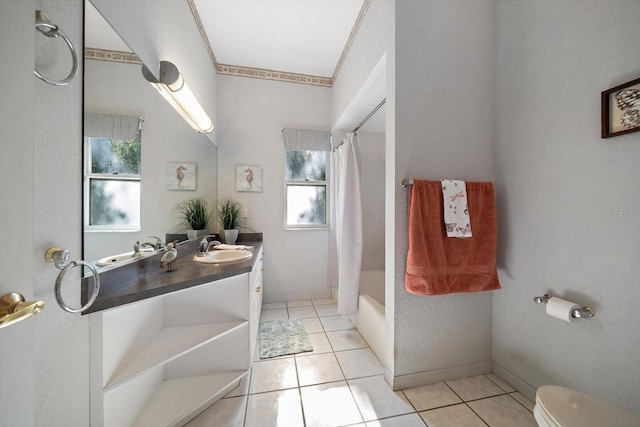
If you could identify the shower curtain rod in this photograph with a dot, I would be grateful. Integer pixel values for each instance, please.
(357, 128)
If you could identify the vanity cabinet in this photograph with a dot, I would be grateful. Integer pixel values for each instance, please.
(163, 360)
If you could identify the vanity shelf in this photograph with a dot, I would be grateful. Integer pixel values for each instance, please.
(161, 361)
(169, 344)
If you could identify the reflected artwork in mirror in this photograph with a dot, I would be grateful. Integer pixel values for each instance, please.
(126, 201)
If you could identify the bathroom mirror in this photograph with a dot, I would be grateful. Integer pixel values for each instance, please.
(114, 86)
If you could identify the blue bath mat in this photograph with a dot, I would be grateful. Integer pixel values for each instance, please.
(283, 337)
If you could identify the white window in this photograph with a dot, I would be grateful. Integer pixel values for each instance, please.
(112, 183)
(306, 189)
(306, 186)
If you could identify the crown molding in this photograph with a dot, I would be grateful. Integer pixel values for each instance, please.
(111, 56)
(261, 73)
(352, 37)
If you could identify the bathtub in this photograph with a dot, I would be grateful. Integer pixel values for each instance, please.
(369, 319)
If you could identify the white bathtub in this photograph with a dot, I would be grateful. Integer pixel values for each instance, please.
(369, 319)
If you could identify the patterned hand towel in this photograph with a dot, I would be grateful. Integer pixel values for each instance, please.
(456, 209)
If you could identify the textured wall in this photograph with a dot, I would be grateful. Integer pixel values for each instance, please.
(444, 89)
(559, 188)
(251, 113)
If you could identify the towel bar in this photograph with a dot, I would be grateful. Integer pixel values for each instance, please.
(577, 313)
(407, 182)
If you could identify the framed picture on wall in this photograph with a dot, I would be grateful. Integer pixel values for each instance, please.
(621, 109)
(180, 176)
(249, 178)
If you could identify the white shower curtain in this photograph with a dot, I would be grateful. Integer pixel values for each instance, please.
(345, 241)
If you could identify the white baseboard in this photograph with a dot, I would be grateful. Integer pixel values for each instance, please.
(514, 381)
(439, 375)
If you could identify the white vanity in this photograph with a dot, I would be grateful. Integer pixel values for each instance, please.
(162, 360)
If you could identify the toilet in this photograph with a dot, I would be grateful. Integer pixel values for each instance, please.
(562, 407)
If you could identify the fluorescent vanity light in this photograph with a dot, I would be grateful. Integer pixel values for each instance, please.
(173, 88)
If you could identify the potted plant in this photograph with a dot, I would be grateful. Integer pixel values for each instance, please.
(232, 218)
(194, 215)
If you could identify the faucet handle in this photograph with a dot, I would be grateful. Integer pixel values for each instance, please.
(159, 244)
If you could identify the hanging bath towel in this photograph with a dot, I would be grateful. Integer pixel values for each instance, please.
(439, 265)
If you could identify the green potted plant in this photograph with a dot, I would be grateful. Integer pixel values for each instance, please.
(232, 218)
(194, 215)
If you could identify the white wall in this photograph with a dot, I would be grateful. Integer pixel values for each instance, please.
(251, 114)
(117, 88)
(445, 63)
(559, 185)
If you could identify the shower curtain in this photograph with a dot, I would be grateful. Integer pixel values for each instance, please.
(345, 239)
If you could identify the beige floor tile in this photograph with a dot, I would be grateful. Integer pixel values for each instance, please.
(312, 325)
(431, 396)
(336, 323)
(329, 405)
(472, 388)
(273, 375)
(359, 363)
(323, 301)
(523, 400)
(274, 409)
(500, 383)
(376, 399)
(223, 413)
(318, 369)
(346, 340)
(503, 411)
(277, 314)
(242, 389)
(452, 416)
(410, 420)
(291, 304)
(327, 310)
(274, 305)
(302, 312)
(320, 344)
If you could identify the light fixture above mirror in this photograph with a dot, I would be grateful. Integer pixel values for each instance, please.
(176, 92)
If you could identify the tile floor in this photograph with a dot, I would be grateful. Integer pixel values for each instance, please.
(341, 383)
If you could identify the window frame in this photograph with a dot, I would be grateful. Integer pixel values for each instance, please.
(308, 183)
(89, 176)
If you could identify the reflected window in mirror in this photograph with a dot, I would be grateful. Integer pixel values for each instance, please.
(112, 174)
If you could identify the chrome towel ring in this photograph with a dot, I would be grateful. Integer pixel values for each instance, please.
(44, 25)
(58, 257)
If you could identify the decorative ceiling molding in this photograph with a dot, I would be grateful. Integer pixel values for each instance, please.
(260, 73)
(111, 56)
(237, 70)
(203, 33)
(352, 37)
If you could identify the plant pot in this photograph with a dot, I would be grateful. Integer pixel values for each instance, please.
(230, 236)
(193, 234)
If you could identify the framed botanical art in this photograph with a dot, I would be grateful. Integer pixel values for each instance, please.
(621, 109)
(180, 176)
(249, 178)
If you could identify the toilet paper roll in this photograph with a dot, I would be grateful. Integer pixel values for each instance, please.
(561, 309)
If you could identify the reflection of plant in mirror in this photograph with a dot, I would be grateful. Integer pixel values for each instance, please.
(231, 214)
(193, 213)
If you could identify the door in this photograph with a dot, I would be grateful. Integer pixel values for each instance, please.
(16, 207)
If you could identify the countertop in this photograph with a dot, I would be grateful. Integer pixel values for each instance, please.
(145, 279)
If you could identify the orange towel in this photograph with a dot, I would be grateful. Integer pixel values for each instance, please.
(437, 264)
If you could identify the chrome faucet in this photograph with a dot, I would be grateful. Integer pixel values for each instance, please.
(212, 244)
(205, 245)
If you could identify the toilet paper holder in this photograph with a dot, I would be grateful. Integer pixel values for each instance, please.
(577, 313)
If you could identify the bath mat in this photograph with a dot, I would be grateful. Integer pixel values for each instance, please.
(283, 337)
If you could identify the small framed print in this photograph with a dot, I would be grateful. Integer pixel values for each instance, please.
(621, 109)
(180, 176)
(249, 178)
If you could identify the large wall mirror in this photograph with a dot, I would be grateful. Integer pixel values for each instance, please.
(131, 172)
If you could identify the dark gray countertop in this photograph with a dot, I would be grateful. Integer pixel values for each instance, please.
(145, 279)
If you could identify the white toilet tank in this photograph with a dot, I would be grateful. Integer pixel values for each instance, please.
(562, 407)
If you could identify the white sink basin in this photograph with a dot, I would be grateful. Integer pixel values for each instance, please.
(224, 256)
(115, 259)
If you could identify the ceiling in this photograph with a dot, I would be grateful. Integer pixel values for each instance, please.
(302, 41)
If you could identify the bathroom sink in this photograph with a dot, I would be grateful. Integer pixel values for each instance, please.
(115, 259)
(224, 256)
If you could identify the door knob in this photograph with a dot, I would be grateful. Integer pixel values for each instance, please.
(13, 308)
